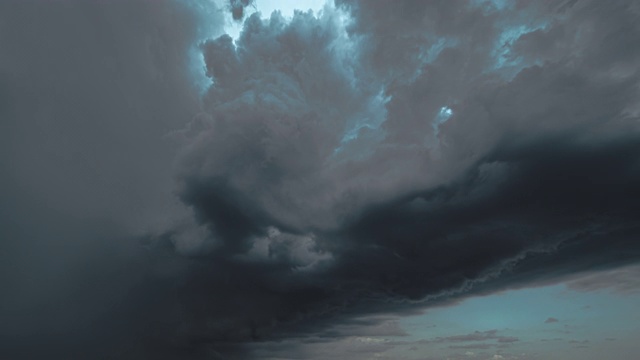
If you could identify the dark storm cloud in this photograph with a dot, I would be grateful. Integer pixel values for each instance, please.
(476, 336)
(375, 159)
(531, 178)
(237, 8)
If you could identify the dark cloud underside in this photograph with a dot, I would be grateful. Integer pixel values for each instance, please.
(237, 8)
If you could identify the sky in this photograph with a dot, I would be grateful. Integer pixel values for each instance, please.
(341, 179)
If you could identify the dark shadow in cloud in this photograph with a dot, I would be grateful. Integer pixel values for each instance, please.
(461, 243)
(237, 8)
(549, 197)
(233, 223)
(551, 320)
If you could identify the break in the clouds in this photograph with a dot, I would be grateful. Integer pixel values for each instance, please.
(171, 191)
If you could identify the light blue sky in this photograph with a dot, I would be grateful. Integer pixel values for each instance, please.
(587, 323)
(589, 317)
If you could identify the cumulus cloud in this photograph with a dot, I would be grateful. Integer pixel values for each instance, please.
(314, 130)
(375, 158)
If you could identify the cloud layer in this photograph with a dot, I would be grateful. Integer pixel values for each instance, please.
(375, 158)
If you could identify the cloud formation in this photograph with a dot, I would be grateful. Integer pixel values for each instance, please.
(478, 336)
(375, 158)
(237, 8)
(622, 281)
(312, 131)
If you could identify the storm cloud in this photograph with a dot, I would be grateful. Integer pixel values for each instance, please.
(172, 192)
(237, 8)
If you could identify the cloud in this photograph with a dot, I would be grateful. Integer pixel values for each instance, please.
(473, 347)
(478, 336)
(505, 188)
(375, 158)
(237, 8)
(623, 281)
(378, 344)
(551, 320)
(88, 90)
(578, 342)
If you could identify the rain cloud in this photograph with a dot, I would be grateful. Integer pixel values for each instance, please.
(373, 158)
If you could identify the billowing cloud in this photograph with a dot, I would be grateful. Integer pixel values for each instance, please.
(375, 158)
(446, 168)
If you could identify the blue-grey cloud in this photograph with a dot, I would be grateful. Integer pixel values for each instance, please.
(237, 8)
(375, 158)
(621, 281)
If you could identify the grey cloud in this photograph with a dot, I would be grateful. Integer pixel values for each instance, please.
(478, 336)
(467, 208)
(621, 281)
(353, 347)
(334, 171)
(370, 327)
(237, 8)
(578, 342)
(473, 346)
(551, 320)
(385, 345)
(88, 90)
